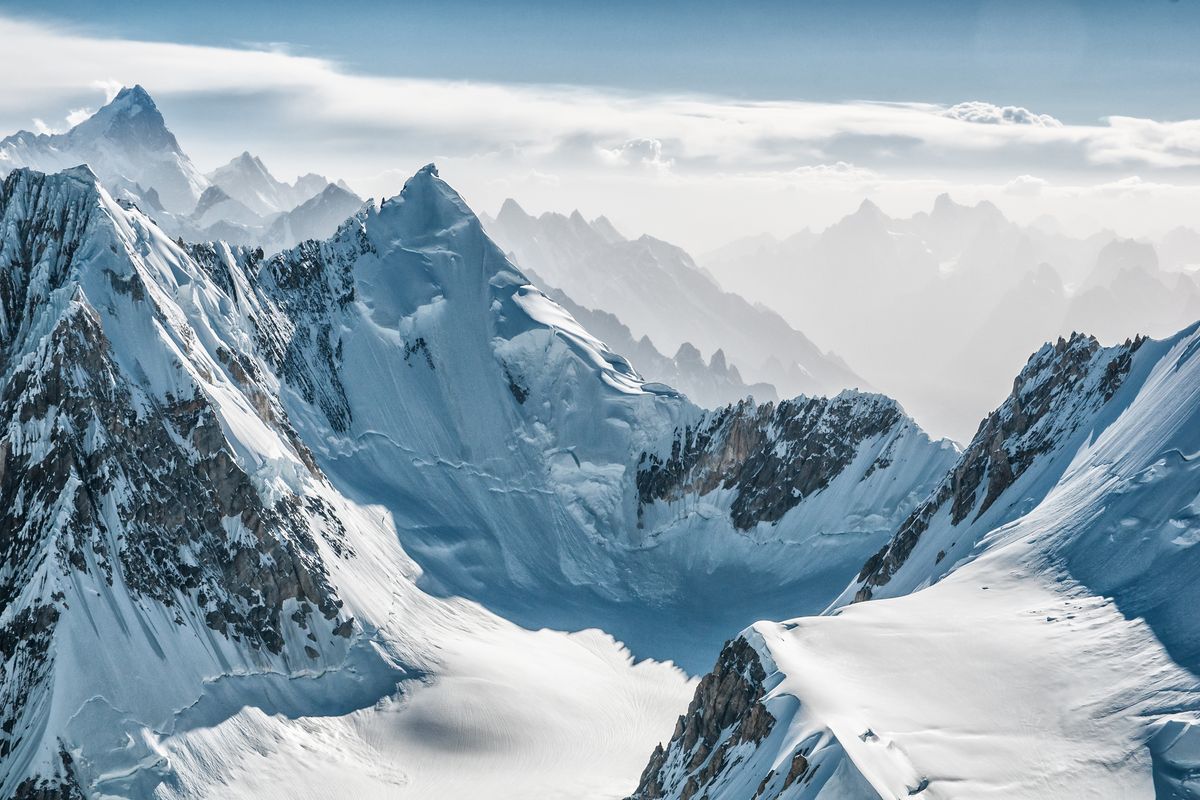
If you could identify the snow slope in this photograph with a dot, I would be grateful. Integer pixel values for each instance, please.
(1053, 654)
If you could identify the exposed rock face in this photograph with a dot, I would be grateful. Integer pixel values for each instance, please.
(771, 456)
(106, 480)
(1058, 390)
(63, 785)
(309, 285)
(726, 747)
(727, 711)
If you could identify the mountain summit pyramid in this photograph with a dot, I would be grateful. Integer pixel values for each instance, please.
(126, 143)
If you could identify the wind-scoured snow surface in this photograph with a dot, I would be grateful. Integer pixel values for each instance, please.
(1040, 640)
(302, 525)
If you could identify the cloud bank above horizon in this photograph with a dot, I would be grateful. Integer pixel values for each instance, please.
(700, 169)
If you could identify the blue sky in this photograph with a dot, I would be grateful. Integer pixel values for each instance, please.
(694, 121)
(1076, 60)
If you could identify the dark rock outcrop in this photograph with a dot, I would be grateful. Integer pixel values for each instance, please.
(726, 711)
(1061, 386)
(772, 455)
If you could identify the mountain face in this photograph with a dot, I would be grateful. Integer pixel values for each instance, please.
(1039, 639)
(128, 145)
(216, 207)
(246, 498)
(658, 291)
(711, 385)
(247, 180)
(314, 218)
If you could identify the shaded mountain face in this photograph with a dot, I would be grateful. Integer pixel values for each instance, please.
(235, 482)
(658, 291)
(1040, 612)
(126, 143)
(940, 309)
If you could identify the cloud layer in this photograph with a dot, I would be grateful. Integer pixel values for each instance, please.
(306, 113)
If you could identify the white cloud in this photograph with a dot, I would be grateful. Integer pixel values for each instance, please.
(986, 113)
(1128, 140)
(78, 115)
(109, 87)
(679, 166)
(316, 96)
(1025, 186)
(840, 171)
(639, 152)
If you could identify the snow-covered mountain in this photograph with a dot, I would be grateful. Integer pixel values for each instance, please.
(315, 218)
(216, 207)
(139, 161)
(659, 292)
(256, 508)
(1039, 639)
(709, 384)
(126, 143)
(940, 309)
(247, 180)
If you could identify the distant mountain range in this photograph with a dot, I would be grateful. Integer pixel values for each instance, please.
(137, 158)
(941, 308)
(658, 291)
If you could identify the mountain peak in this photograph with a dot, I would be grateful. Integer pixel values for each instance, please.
(868, 210)
(133, 97)
(247, 161)
(126, 143)
(82, 173)
(129, 118)
(427, 203)
(944, 203)
(511, 212)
